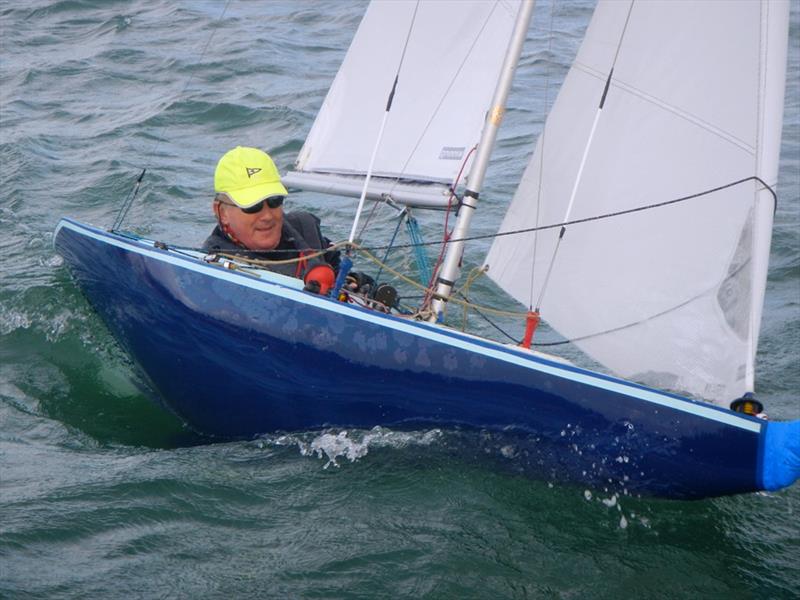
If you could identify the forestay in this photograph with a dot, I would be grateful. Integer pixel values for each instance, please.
(451, 53)
(672, 296)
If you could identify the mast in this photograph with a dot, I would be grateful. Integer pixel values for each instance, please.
(450, 268)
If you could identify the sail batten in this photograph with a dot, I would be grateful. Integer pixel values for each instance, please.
(669, 297)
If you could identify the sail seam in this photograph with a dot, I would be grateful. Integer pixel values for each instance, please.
(695, 120)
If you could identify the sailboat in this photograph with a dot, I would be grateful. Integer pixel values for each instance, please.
(640, 231)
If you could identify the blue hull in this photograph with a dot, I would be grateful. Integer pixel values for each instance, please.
(236, 355)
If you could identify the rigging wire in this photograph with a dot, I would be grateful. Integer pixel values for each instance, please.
(541, 227)
(389, 249)
(584, 157)
(368, 220)
(382, 127)
(444, 96)
(126, 206)
(466, 303)
(603, 216)
(427, 125)
(543, 138)
(446, 233)
(479, 312)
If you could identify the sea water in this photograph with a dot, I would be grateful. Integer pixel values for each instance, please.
(104, 494)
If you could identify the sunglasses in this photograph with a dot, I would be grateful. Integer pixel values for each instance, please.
(272, 202)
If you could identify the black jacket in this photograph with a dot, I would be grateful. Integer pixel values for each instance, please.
(300, 233)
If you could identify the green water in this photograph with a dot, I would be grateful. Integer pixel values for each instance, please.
(103, 494)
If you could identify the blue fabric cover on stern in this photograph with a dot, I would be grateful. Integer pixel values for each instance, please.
(780, 465)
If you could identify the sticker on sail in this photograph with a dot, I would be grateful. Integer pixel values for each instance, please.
(451, 152)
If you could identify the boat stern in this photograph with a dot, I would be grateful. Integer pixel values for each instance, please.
(780, 456)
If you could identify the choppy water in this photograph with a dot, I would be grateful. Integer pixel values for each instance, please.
(102, 494)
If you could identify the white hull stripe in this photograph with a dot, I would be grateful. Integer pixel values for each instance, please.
(421, 330)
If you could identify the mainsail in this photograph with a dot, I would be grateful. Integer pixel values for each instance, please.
(446, 55)
(671, 296)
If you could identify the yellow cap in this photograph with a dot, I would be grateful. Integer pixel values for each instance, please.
(247, 176)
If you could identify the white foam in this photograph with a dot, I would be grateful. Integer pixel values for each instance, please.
(334, 445)
(13, 320)
(610, 502)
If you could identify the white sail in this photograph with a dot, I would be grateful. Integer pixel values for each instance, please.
(451, 52)
(670, 296)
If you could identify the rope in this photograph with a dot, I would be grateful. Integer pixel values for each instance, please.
(446, 233)
(366, 251)
(603, 216)
(379, 139)
(473, 275)
(465, 303)
(504, 313)
(498, 328)
(287, 261)
(366, 254)
(423, 267)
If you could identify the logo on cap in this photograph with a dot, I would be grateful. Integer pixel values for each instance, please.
(251, 172)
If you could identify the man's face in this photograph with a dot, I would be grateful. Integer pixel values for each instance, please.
(259, 231)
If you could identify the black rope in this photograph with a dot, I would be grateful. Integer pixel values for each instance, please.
(557, 343)
(490, 322)
(640, 321)
(596, 218)
(532, 229)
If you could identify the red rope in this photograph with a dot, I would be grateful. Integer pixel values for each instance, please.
(446, 234)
